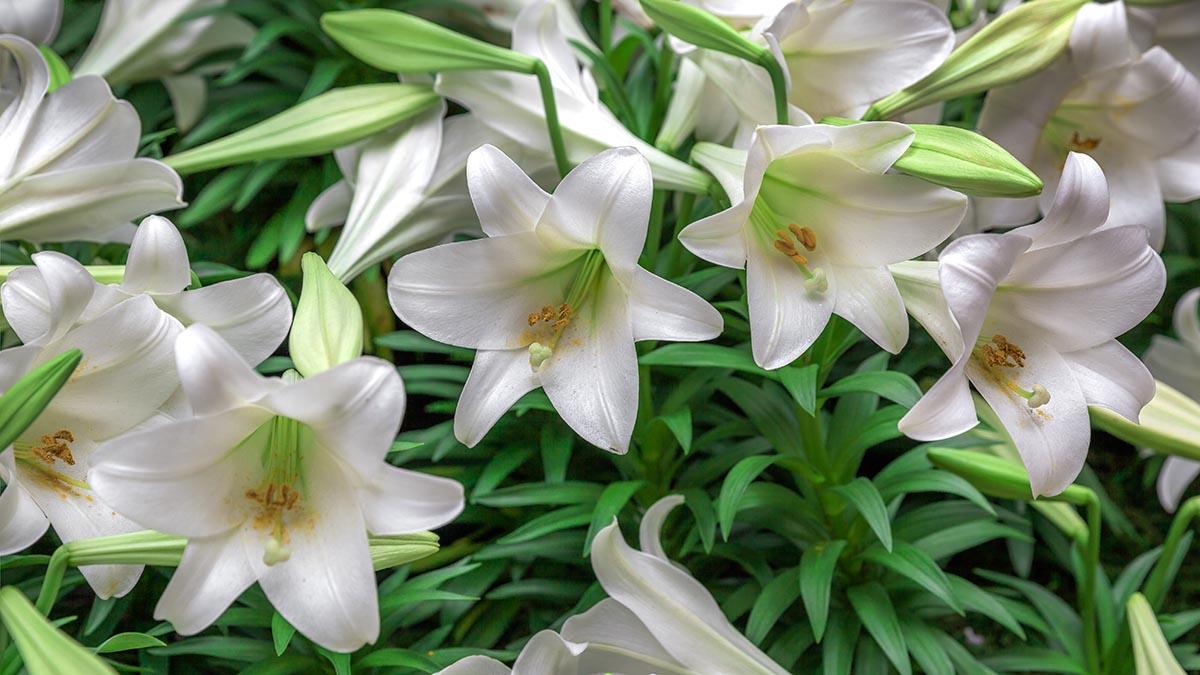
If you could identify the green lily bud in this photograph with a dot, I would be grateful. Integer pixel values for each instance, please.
(1169, 424)
(962, 160)
(1016, 45)
(1151, 653)
(319, 125)
(328, 328)
(45, 649)
(999, 477)
(402, 43)
(30, 395)
(393, 551)
(696, 26)
(104, 274)
(60, 73)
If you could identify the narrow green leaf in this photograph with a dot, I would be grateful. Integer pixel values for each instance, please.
(736, 482)
(927, 651)
(701, 507)
(817, 566)
(122, 642)
(534, 494)
(932, 481)
(862, 495)
(281, 633)
(776, 597)
(702, 355)
(801, 383)
(837, 649)
(874, 608)
(680, 424)
(914, 564)
(975, 599)
(29, 396)
(44, 648)
(895, 387)
(610, 503)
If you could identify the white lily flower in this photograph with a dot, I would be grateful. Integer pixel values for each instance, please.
(545, 653)
(1136, 113)
(67, 167)
(511, 103)
(1175, 28)
(553, 296)
(278, 482)
(1177, 363)
(815, 221)
(126, 373)
(1030, 319)
(35, 20)
(143, 40)
(252, 313)
(403, 190)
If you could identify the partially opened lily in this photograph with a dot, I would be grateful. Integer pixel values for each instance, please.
(142, 40)
(403, 190)
(274, 481)
(125, 375)
(1030, 319)
(1136, 113)
(252, 313)
(815, 221)
(67, 169)
(553, 296)
(1177, 362)
(511, 103)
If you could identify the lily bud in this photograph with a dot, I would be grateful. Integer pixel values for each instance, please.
(1151, 653)
(998, 477)
(1169, 424)
(29, 396)
(328, 328)
(402, 43)
(1016, 45)
(698, 27)
(44, 649)
(319, 125)
(393, 551)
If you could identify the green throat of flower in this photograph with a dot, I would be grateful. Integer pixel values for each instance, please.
(278, 499)
(790, 240)
(40, 459)
(547, 324)
(1001, 358)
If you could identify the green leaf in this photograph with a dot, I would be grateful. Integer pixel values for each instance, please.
(874, 608)
(801, 383)
(544, 494)
(328, 328)
(1064, 623)
(914, 564)
(503, 464)
(281, 633)
(817, 567)
(1034, 660)
(702, 355)
(961, 537)
(395, 657)
(932, 481)
(922, 642)
(29, 396)
(736, 482)
(122, 642)
(895, 387)
(702, 510)
(837, 649)
(975, 599)
(610, 503)
(567, 517)
(774, 600)
(556, 444)
(44, 648)
(679, 422)
(862, 495)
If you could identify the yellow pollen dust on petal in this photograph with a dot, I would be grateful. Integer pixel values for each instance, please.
(1082, 144)
(1000, 355)
(41, 457)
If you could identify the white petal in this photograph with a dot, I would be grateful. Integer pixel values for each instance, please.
(158, 259)
(1112, 377)
(253, 314)
(44, 302)
(1100, 38)
(969, 270)
(603, 203)
(1052, 439)
(868, 298)
(399, 501)
(22, 522)
(16, 361)
(661, 310)
(547, 652)
(677, 609)
(506, 199)
(945, 411)
(79, 125)
(1136, 198)
(1187, 320)
(214, 571)
(476, 665)
(214, 376)
(720, 238)
(785, 317)
(498, 378)
(353, 409)
(727, 165)
(618, 642)
(34, 20)
(1080, 204)
(1179, 172)
(1176, 474)
(871, 146)
(650, 532)
(592, 377)
(19, 115)
(1170, 361)
(479, 294)
(189, 94)
(326, 589)
(330, 208)
(187, 477)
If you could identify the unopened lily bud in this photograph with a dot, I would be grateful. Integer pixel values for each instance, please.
(1169, 424)
(319, 125)
(328, 328)
(1016, 45)
(1151, 653)
(998, 477)
(402, 43)
(44, 649)
(696, 26)
(29, 396)
(393, 551)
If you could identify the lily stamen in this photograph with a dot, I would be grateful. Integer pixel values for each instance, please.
(1082, 144)
(999, 352)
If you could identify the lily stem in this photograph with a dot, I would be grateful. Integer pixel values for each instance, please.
(1087, 594)
(56, 569)
(605, 20)
(766, 59)
(1155, 589)
(552, 124)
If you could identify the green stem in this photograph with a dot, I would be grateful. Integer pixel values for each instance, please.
(1155, 588)
(1087, 596)
(654, 232)
(662, 88)
(552, 123)
(778, 85)
(56, 569)
(605, 18)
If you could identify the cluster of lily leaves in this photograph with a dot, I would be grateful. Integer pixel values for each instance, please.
(828, 538)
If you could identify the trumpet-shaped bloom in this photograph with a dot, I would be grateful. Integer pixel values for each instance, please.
(657, 619)
(815, 221)
(143, 40)
(1176, 28)
(553, 296)
(1177, 362)
(274, 481)
(66, 159)
(403, 190)
(252, 313)
(125, 375)
(34, 20)
(1030, 319)
(1136, 113)
(511, 103)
